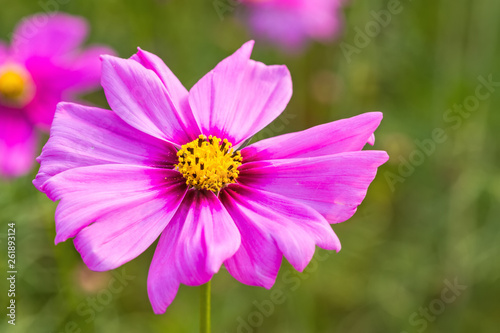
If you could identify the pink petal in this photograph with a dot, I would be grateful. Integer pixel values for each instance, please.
(48, 35)
(322, 19)
(4, 52)
(140, 98)
(291, 23)
(333, 185)
(240, 96)
(85, 70)
(120, 236)
(59, 81)
(336, 137)
(248, 265)
(125, 197)
(280, 26)
(295, 228)
(200, 237)
(50, 81)
(18, 143)
(43, 106)
(85, 136)
(177, 92)
(371, 140)
(48, 45)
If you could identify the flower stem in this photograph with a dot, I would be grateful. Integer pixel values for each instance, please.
(205, 308)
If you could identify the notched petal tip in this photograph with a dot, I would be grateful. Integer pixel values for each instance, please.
(38, 183)
(249, 45)
(59, 239)
(139, 54)
(62, 105)
(383, 157)
(374, 116)
(269, 285)
(245, 50)
(109, 60)
(378, 114)
(371, 140)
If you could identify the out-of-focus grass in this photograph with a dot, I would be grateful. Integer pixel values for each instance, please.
(441, 223)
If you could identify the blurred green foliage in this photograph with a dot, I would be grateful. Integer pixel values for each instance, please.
(437, 224)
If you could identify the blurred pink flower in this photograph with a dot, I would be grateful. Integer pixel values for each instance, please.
(43, 66)
(170, 162)
(291, 23)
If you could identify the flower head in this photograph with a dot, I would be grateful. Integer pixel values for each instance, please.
(170, 163)
(291, 23)
(42, 67)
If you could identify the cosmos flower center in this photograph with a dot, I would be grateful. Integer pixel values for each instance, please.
(208, 163)
(16, 86)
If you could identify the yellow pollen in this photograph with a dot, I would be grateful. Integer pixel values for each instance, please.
(208, 164)
(16, 88)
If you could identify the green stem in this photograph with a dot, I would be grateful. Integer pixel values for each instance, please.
(205, 308)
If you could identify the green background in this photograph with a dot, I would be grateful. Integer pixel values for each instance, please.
(412, 235)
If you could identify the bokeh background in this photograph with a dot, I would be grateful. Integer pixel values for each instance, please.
(435, 225)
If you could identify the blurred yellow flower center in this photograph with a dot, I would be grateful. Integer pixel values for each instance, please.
(16, 87)
(208, 164)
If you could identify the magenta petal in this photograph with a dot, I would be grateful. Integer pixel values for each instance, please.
(120, 195)
(4, 52)
(18, 144)
(333, 185)
(140, 98)
(177, 92)
(49, 36)
(121, 235)
(239, 97)
(56, 82)
(281, 26)
(85, 136)
(322, 18)
(249, 265)
(295, 227)
(290, 23)
(51, 81)
(336, 137)
(42, 108)
(85, 70)
(200, 237)
(371, 140)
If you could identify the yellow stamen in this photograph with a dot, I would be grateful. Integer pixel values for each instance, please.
(208, 164)
(16, 87)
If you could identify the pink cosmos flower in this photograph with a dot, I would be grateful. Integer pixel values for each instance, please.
(172, 164)
(43, 66)
(291, 23)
